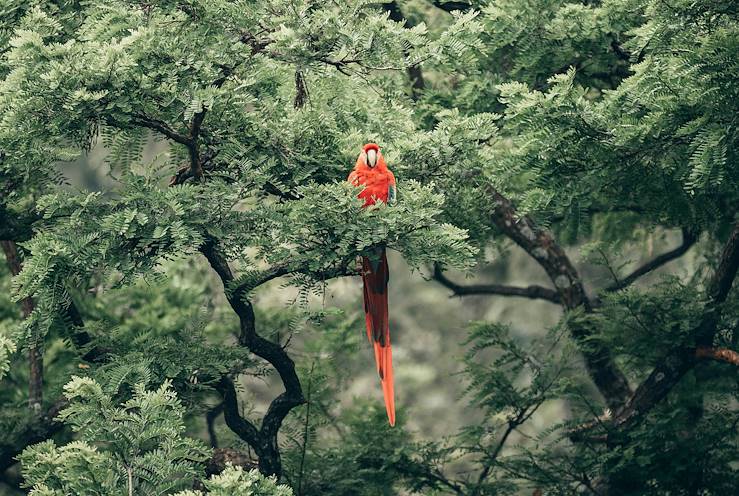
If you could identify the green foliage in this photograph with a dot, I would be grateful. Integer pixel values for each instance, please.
(238, 482)
(7, 347)
(651, 322)
(611, 123)
(328, 227)
(124, 445)
(369, 458)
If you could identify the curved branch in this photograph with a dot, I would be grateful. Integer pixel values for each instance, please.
(284, 270)
(241, 426)
(162, 127)
(689, 240)
(263, 440)
(533, 292)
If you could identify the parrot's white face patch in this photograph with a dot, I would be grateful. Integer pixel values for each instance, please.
(371, 157)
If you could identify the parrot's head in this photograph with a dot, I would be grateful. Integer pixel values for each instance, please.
(371, 155)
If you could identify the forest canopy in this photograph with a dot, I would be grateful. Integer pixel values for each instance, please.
(180, 302)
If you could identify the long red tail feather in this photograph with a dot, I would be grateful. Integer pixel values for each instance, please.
(375, 276)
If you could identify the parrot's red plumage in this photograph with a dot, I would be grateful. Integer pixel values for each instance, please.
(379, 184)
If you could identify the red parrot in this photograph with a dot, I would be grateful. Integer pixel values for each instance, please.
(379, 184)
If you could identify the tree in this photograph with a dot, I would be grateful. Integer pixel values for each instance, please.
(537, 129)
(123, 73)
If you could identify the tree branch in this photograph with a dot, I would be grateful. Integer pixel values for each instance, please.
(668, 372)
(452, 6)
(533, 292)
(210, 418)
(723, 279)
(241, 426)
(193, 148)
(162, 127)
(689, 240)
(542, 247)
(35, 358)
(284, 270)
(263, 440)
(719, 354)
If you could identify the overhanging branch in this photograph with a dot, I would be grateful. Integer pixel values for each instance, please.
(533, 292)
(285, 270)
(161, 127)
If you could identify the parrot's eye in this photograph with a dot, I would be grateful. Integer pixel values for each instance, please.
(371, 157)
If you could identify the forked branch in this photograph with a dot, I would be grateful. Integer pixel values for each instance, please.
(671, 368)
(542, 247)
(263, 439)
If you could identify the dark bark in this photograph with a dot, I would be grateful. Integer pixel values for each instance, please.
(301, 90)
(35, 357)
(264, 439)
(542, 247)
(673, 366)
(210, 419)
(452, 6)
(533, 292)
(688, 241)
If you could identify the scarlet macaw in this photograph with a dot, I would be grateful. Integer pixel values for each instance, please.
(379, 184)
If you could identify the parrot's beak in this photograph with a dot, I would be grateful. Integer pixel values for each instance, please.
(371, 157)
